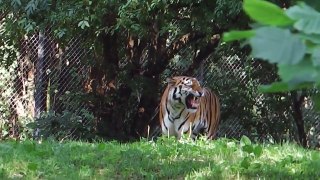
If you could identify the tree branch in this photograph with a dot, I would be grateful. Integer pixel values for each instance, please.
(203, 54)
(177, 45)
(163, 57)
(180, 5)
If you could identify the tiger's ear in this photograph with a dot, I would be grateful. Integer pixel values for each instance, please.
(171, 81)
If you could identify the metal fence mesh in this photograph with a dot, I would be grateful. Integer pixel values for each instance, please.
(46, 78)
(208, 72)
(40, 80)
(231, 66)
(235, 80)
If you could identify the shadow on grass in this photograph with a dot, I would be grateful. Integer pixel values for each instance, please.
(135, 163)
(303, 169)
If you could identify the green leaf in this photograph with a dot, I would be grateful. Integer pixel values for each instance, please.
(245, 141)
(257, 151)
(266, 13)
(307, 19)
(299, 73)
(60, 32)
(135, 27)
(256, 165)
(277, 45)
(101, 147)
(237, 35)
(83, 24)
(274, 87)
(315, 38)
(31, 7)
(15, 3)
(245, 163)
(312, 3)
(284, 87)
(247, 148)
(29, 27)
(315, 56)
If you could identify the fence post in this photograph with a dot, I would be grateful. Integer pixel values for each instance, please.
(39, 96)
(200, 73)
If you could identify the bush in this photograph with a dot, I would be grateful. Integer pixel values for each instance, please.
(65, 125)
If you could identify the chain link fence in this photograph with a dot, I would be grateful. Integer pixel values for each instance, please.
(209, 72)
(244, 110)
(42, 80)
(48, 79)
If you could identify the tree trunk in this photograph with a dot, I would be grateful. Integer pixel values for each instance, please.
(40, 80)
(203, 54)
(108, 100)
(297, 101)
(131, 104)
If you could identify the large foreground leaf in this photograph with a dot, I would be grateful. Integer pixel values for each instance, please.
(237, 35)
(283, 87)
(266, 13)
(274, 87)
(303, 72)
(314, 38)
(315, 56)
(307, 19)
(277, 45)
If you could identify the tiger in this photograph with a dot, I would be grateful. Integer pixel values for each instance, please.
(186, 107)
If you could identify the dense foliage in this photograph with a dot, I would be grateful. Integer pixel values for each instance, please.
(288, 38)
(133, 46)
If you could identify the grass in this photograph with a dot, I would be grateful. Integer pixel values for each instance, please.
(164, 159)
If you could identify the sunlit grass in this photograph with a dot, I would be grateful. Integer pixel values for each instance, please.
(163, 159)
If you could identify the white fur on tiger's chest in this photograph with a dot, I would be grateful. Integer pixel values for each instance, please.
(178, 126)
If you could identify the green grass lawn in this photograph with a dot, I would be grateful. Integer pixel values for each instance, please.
(164, 159)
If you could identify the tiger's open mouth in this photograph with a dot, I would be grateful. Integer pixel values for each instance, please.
(192, 101)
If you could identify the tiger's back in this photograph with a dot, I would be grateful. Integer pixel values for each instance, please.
(185, 107)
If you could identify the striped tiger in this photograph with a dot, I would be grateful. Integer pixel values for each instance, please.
(186, 107)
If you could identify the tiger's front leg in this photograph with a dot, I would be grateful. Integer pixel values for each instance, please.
(168, 129)
(184, 130)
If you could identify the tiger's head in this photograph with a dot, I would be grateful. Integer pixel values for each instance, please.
(185, 92)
